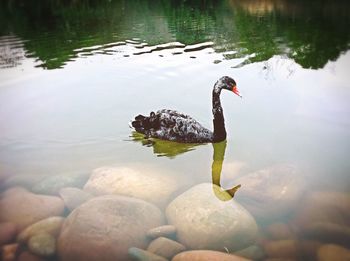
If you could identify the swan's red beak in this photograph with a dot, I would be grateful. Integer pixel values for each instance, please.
(236, 91)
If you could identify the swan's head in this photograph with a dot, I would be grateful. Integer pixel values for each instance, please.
(228, 83)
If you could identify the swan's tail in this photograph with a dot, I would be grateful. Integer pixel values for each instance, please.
(140, 123)
(144, 124)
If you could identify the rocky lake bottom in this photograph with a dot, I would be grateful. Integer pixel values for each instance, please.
(124, 213)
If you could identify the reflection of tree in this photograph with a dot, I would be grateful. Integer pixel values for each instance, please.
(310, 32)
(216, 169)
(11, 52)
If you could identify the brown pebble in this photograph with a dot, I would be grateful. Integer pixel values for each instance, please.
(162, 231)
(74, 197)
(8, 232)
(204, 255)
(328, 232)
(165, 247)
(42, 244)
(282, 248)
(279, 231)
(138, 254)
(325, 207)
(51, 225)
(280, 259)
(308, 249)
(8, 252)
(24, 208)
(253, 252)
(27, 256)
(333, 252)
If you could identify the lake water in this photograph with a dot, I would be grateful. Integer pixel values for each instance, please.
(72, 75)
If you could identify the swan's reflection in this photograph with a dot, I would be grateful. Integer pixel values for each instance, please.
(216, 169)
(164, 147)
(172, 149)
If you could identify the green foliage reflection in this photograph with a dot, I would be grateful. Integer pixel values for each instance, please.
(310, 32)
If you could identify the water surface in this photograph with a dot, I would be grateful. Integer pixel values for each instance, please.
(72, 75)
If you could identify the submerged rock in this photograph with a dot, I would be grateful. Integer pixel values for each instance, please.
(53, 184)
(27, 256)
(25, 208)
(9, 252)
(74, 197)
(278, 231)
(42, 244)
(138, 254)
(323, 207)
(328, 232)
(204, 255)
(8, 232)
(324, 216)
(205, 222)
(308, 249)
(333, 252)
(105, 227)
(51, 225)
(253, 252)
(25, 181)
(162, 231)
(147, 185)
(282, 249)
(165, 247)
(271, 193)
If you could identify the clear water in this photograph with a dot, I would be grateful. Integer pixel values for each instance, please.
(73, 75)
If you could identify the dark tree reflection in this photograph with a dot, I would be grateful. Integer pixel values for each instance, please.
(309, 32)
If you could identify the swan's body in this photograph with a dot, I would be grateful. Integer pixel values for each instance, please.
(174, 126)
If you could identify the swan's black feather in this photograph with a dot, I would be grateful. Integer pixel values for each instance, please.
(172, 125)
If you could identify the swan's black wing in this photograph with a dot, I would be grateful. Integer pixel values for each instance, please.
(172, 125)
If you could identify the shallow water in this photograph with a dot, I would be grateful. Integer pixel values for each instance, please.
(73, 75)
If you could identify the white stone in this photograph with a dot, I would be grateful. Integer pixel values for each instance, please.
(150, 186)
(203, 221)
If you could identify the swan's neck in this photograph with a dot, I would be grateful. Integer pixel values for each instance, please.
(218, 115)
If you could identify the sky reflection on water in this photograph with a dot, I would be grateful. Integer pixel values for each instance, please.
(73, 117)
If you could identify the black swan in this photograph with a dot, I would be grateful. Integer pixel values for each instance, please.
(174, 126)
